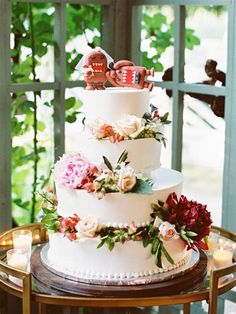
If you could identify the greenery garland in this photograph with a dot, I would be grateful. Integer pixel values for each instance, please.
(110, 235)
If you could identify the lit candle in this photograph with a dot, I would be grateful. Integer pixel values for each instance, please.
(22, 239)
(18, 259)
(222, 258)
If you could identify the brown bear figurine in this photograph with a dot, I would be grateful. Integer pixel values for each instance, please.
(94, 66)
(126, 74)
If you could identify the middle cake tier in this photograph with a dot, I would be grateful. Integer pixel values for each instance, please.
(119, 209)
(144, 153)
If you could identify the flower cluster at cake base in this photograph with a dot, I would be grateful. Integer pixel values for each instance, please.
(74, 171)
(130, 127)
(174, 219)
(192, 221)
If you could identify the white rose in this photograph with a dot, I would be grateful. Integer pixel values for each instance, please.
(96, 127)
(87, 227)
(129, 126)
(157, 222)
(127, 179)
(167, 231)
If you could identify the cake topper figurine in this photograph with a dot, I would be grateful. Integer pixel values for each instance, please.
(98, 67)
(94, 66)
(125, 73)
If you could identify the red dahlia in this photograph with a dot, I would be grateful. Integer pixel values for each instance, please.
(194, 216)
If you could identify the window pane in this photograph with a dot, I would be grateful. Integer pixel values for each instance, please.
(32, 42)
(30, 158)
(206, 38)
(203, 155)
(83, 33)
(157, 38)
(74, 119)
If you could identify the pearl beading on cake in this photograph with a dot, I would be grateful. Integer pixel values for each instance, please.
(126, 225)
(91, 275)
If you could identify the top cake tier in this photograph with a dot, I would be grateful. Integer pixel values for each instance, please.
(112, 104)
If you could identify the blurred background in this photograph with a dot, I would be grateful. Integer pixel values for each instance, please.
(32, 53)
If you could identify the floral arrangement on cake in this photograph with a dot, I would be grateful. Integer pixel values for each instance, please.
(176, 218)
(130, 127)
(74, 171)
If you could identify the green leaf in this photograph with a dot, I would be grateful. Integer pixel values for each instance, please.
(191, 234)
(107, 163)
(158, 259)
(146, 241)
(142, 187)
(158, 67)
(70, 102)
(71, 118)
(168, 257)
(49, 219)
(165, 117)
(41, 126)
(123, 157)
(101, 244)
(48, 211)
(155, 246)
(184, 237)
(153, 108)
(110, 244)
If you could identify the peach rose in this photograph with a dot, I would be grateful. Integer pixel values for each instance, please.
(167, 231)
(99, 128)
(129, 126)
(87, 227)
(127, 179)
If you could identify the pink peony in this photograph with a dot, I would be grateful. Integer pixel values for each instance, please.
(74, 171)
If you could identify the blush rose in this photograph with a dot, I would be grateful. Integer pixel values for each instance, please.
(127, 179)
(129, 126)
(87, 227)
(167, 231)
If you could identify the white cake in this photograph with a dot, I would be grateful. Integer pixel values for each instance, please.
(128, 259)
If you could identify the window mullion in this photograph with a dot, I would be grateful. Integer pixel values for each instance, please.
(136, 34)
(5, 116)
(60, 76)
(178, 77)
(107, 28)
(229, 195)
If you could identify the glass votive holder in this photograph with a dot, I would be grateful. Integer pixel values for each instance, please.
(223, 257)
(19, 259)
(234, 250)
(22, 239)
(213, 241)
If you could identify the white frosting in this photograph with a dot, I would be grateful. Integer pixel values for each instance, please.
(128, 260)
(119, 208)
(131, 259)
(112, 104)
(95, 149)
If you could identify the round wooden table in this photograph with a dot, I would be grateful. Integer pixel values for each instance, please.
(34, 290)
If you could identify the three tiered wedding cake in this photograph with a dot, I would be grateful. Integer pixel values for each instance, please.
(118, 215)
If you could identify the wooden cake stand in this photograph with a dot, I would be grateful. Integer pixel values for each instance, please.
(49, 280)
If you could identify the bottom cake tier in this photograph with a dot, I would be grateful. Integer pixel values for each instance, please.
(82, 259)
